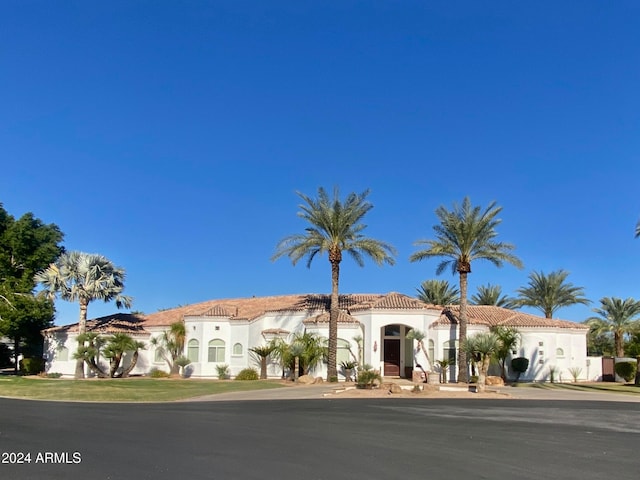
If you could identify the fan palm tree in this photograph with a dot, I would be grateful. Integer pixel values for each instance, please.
(84, 277)
(548, 293)
(438, 292)
(617, 316)
(492, 295)
(465, 234)
(335, 227)
(481, 347)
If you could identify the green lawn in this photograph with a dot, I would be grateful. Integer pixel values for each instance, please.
(587, 387)
(123, 390)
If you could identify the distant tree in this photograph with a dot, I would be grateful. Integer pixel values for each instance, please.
(335, 226)
(170, 345)
(26, 246)
(465, 234)
(548, 293)
(438, 292)
(492, 295)
(84, 278)
(616, 316)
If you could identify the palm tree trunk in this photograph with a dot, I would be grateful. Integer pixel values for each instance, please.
(482, 378)
(332, 371)
(263, 368)
(132, 365)
(82, 328)
(463, 376)
(618, 343)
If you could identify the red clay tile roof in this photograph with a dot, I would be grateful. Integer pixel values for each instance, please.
(118, 323)
(323, 318)
(492, 316)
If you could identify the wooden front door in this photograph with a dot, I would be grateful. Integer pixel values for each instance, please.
(391, 357)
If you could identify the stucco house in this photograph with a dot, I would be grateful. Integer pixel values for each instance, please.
(222, 332)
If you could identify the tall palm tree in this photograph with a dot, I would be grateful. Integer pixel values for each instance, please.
(617, 316)
(465, 234)
(550, 292)
(438, 292)
(335, 226)
(84, 277)
(492, 295)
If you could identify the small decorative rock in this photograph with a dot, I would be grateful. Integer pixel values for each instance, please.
(395, 388)
(306, 379)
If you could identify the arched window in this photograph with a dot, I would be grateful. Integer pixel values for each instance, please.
(559, 352)
(158, 356)
(449, 351)
(343, 353)
(432, 351)
(216, 350)
(193, 350)
(237, 349)
(62, 354)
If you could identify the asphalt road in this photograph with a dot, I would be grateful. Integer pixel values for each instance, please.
(321, 439)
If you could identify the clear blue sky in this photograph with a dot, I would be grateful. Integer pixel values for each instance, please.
(172, 136)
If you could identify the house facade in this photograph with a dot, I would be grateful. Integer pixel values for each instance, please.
(372, 329)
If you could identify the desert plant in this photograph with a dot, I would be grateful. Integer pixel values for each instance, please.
(247, 374)
(223, 371)
(481, 347)
(367, 377)
(626, 370)
(575, 373)
(443, 365)
(182, 362)
(263, 352)
(553, 370)
(519, 365)
(170, 345)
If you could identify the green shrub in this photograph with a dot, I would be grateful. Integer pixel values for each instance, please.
(367, 378)
(31, 366)
(5, 356)
(626, 370)
(157, 373)
(223, 372)
(519, 365)
(248, 374)
(51, 375)
(473, 379)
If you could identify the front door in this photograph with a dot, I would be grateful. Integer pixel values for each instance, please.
(391, 357)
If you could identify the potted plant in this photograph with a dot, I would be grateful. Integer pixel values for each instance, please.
(348, 367)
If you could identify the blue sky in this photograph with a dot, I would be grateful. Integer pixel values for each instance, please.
(172, 136)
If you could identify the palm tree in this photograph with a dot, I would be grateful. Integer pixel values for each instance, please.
(84, 277)
(335, 227)
(170, 345)
(617, 316)
(438, 292)
(263, 352)
(638, 229)
(550, 292)
(465, 234)
(419, 337)
(481, 347)
(119, 344)
(492, 295)
(509, 338)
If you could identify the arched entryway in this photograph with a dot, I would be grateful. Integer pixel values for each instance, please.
(396, 354)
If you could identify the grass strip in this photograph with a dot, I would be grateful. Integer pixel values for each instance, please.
(123, 390)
